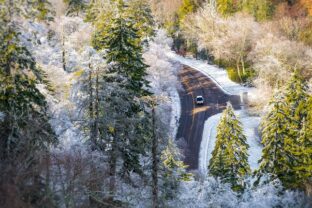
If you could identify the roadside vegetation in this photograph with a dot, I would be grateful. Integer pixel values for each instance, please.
(257, 42)
(89, 96)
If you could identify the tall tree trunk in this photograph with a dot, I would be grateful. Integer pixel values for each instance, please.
(112, 168)
(63, 52)
(96, 107)
(91, 109)
(155, 161)
(93, 185)
(47, 179)
(243, 65)
(238, 70)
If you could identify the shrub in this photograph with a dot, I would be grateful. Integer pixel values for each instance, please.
(306, 34)
(245, 78)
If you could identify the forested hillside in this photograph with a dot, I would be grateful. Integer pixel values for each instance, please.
(91, 106)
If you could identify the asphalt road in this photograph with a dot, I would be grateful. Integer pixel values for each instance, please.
(193, 116)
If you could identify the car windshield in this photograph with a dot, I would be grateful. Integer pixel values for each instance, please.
(199, 98)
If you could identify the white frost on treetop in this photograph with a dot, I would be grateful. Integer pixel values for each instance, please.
(217, 75)
(47, 44)
(162, 75)
(250, 127)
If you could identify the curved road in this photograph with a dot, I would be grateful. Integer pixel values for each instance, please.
(193, 117)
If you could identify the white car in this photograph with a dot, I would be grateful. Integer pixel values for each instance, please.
(199, 100)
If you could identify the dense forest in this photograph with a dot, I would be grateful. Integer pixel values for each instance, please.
(90, 106)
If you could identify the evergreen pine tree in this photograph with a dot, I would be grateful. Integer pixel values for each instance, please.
(283, 132)
(141, 14)
(302, 166)
(20, 100)
(25, 130)
(297, 100)
(124, 49)
(230, 158)
(126, 124)
(297, 109)
(274, 130)
(174, 170)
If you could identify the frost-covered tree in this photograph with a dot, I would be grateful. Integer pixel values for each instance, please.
(125, 127)
(91, 86)
(285, 135)
(230, 158)
(74, 6)
(174, 170)
(229, 39)
(25, 131)
(40, 9)
(274, 130)
(297, 109)
(302, 152)
(162, 75)
(141, 14)
(297, 100)
(124, 49)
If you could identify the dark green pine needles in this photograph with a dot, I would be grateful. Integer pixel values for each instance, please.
(230, 158)
(286, 135)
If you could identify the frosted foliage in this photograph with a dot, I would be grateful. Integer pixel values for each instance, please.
(241, 38)
(161, 72)
(162, 75)
(211, 193)
(74, 35)
(226, 38)
(47, 43)
(274, 58)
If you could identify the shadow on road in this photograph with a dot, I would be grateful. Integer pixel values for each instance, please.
(193, 117)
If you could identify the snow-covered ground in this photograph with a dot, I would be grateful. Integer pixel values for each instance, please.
(176, 112)
(216, 74)
(250, 125)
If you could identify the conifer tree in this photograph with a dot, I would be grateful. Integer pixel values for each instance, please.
(141, 14)
(230, 158)
(302, 152)
(285, 134)
(127, 68)
(125, 51)
(274, 130)
(126, 123)
(174, 170)
(297, 109)
(296, 100)
(25, 130)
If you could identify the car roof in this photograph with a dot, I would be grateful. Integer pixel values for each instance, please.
(199, 96)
